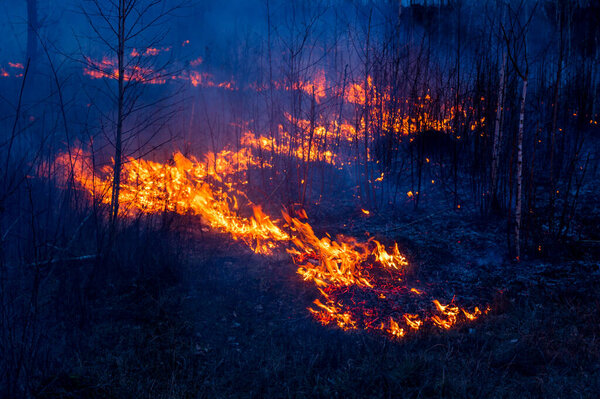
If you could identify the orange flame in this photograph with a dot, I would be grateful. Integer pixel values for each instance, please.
(106, 68)
(337, 267)
(356, 279)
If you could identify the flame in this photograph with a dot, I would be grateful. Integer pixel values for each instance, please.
(360, 94)
(325, 261)
(307, 141)
(182, 186)
(305, 148)
(196, 61)
(331, 313)
(378, 98)
(472, 316)
(106, 68)
(316, 87)
(344, 270)
(412, 320)
(330, 138)
(450, 311)
(361, 284)
(11, 67)
(395, 330)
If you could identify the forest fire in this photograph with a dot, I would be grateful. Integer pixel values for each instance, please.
(362, 284)
(328, 137)
(315, 144)
(308, 198)
(384, 110)
(106, 68)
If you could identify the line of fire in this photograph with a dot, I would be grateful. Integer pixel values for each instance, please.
(270, 198)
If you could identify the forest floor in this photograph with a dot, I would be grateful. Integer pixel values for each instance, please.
(230, 323)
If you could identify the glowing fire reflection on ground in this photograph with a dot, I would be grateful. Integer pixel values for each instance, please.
(362, 284)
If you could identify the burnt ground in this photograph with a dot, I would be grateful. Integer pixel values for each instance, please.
(224, 322)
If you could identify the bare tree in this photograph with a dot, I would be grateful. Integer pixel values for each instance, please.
(498, 132)
(516, 45)
(127, 29)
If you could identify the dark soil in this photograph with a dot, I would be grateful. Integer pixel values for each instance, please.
(234, 324)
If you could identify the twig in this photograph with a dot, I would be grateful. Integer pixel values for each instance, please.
(17, 115)
(56, 260)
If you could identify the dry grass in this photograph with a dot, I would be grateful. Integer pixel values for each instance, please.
(235, 325)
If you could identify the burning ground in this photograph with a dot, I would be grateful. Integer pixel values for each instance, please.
(221, 321)
(234, 320)
(337, 198)
(361, 284)
(238, 294)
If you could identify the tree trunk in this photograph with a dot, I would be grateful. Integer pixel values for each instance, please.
(520, 172)
(120, 115)
(554, 128)
(497, 134)
(367, 115)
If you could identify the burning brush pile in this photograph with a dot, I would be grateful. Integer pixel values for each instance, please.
(362, 284)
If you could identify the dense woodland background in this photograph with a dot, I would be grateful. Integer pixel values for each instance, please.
(475, 146)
